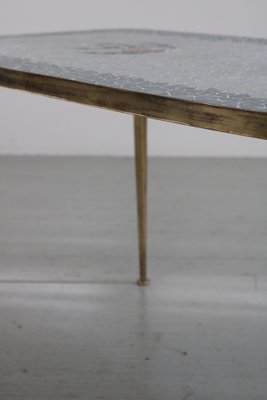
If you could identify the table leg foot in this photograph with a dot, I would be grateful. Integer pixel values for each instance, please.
(142, 282)
(140, 133)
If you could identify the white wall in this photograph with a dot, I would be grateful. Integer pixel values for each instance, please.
(31, 124)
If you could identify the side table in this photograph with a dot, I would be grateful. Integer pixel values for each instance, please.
(207, 81)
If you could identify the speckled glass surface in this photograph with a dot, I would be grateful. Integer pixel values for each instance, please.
(217, 70)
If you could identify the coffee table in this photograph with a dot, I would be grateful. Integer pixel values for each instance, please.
(207, 81)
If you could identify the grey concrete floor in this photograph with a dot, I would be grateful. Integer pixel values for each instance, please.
(72, 322)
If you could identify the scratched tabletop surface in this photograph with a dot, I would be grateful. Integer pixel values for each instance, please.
(216, 70)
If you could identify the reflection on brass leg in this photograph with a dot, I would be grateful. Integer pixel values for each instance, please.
(140, 132)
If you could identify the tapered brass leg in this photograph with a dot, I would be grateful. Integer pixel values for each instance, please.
(140, 134)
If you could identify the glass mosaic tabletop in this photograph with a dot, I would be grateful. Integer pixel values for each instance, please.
(218, 70)
(208, 81)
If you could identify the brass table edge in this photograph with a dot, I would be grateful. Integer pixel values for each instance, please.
(223, 119)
